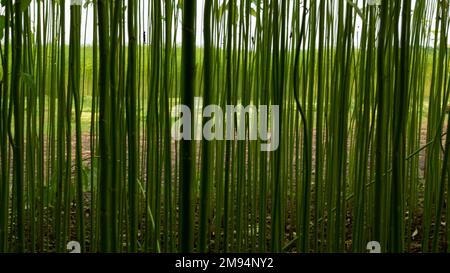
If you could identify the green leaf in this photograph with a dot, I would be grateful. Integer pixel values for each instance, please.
(224, 7)
(221, 10)
(87, 3)
(358, 10)
(28, 80)
(24, 4)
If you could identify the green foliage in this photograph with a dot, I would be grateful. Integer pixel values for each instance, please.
(24, 4)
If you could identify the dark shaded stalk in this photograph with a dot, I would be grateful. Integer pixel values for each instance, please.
(380, 121)
(106, 236)
(131, 126)
(17, 99)
(186, 150)
(4, 158)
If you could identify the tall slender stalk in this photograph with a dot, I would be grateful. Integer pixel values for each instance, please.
(74, 90)
(106, 236)
(17, 98)
(187, 154)
(4, 158)
(205, 179)
(131, 125)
